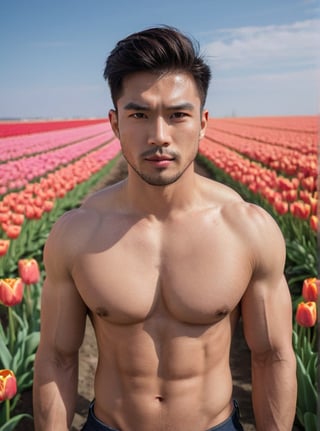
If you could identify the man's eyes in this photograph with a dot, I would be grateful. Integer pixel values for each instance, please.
(179, 115)
(138, 115)
(174, 116)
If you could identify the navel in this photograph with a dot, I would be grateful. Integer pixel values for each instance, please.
(159, 398)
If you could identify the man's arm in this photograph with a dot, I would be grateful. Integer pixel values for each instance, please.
(267, 322)
(63, 317)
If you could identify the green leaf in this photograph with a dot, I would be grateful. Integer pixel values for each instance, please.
(13, 422)
(5, 355)
(32, 342)
(310, 421)
(307, 394)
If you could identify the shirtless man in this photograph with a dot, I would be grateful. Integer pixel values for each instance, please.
(164, 263)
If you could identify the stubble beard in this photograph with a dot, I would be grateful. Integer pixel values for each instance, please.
(158, 180)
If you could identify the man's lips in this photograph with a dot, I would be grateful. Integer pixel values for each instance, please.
(159, 158)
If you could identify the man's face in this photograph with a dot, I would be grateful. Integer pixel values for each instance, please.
(159, 123)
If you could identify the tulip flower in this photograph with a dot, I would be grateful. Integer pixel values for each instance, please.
(306, 314)
(314, 222)
(4, 246)
(281, 207)
(13, 231)
(310, 289)
(300, 209)
(29, 271)
(17, 219)
(11, 291)
(8, 385)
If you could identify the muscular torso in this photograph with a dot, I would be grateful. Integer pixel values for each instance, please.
(164, 300)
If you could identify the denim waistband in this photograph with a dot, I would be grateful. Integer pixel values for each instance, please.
(230, 424)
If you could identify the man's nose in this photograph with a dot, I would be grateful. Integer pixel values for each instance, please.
(159, 132)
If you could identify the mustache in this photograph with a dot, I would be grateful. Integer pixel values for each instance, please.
(160, 152)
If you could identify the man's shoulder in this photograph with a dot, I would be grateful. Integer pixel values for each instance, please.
(77, 225)
(104, 199)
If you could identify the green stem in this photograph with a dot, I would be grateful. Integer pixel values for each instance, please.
(12, 332)
(314, 339)
(7, 403)
(28, 303)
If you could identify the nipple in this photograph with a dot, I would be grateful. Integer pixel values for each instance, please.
(102, 312)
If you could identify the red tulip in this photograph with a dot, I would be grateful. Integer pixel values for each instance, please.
(29, 271)
(5, 217)
(306, 314)
(4, 246)
(309, 184)
(8, 385)
(280, 206)
(48, 206)
(29, 211)
(290, 195)
(300, 209)
(17, 219)
(13, 231)
(11, 291)
(310, 289)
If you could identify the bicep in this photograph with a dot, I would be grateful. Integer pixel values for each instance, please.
(63, 313)
(267, 316)
(266, 304)
(63, 317)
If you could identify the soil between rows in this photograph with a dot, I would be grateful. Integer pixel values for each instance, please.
(239, 359)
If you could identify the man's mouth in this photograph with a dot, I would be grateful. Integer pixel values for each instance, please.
(160, 160)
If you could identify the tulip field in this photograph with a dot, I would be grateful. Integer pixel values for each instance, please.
(48, 167)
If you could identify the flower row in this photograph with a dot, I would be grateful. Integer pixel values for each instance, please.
(10, 128)
(39, 197)
(280, 158)
(305, 142)
(284, 194)
(302, 124)
(18, 173)
(20, 146)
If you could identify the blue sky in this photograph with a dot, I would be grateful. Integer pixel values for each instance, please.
(263, 54)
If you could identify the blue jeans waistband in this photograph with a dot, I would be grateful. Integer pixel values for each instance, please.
(230, 424)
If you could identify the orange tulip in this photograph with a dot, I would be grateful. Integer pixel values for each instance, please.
(306, 314)
(8, 385)
(314, 222)
(310, 289)
(4, 246)
(29, 271)
(11, 291)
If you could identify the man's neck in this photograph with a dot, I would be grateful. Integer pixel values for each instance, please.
(161, 201)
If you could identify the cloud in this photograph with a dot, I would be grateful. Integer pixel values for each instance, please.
(265, 70)
(272, 47)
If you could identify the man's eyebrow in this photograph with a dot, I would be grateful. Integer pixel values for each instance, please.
(185, 106)
(132, 106)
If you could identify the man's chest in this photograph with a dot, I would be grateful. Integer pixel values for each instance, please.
(196, 277)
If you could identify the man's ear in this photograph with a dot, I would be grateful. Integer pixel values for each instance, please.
(204, 123)
(113, 118)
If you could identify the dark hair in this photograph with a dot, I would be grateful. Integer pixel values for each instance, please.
(157, 50)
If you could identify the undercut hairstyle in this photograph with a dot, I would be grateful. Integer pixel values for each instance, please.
(157, 50)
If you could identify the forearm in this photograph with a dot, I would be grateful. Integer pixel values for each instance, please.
(54, 395)
(274, 391)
